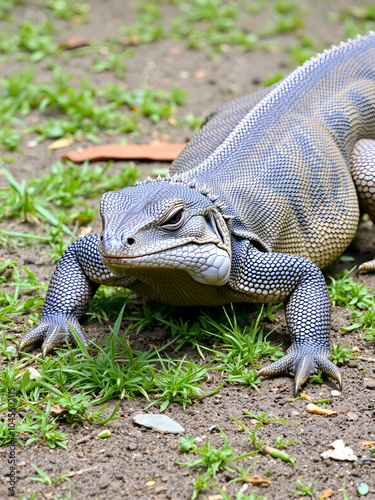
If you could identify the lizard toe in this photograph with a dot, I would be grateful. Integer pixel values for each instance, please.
(32, 337)
(330, 369)
(303, 363)
(52, 330)
(279, 367)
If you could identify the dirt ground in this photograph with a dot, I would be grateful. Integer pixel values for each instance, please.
(123, 464)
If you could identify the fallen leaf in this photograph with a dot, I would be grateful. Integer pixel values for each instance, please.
(58, 410)
(340, 452)
(61, 143)
(351, 416)
(34, 374)
(158, 152)
(326, 494)
(174, 51)
(214, 497)
(305, 396)
(199, 74)
(258, 481)
(312, 408)
(367, 443)
(85, 230)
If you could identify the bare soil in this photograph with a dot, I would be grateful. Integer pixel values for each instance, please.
(120, 467)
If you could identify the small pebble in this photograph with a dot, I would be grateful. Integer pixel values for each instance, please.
(352, 364)
(369, 383)
(119, 476)
(160, 489)
(335, 393)
(29, 260)
(157, 422)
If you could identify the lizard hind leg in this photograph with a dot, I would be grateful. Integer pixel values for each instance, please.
(362, 170)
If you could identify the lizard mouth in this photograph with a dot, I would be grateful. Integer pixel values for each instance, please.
(207, 264)
(118, 259)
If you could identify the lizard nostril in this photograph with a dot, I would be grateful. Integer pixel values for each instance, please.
(130, 241)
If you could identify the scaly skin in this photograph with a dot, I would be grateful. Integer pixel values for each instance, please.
(262, 197)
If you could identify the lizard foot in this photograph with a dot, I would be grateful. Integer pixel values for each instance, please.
(303, 363)
(53, 330)
(366, 267)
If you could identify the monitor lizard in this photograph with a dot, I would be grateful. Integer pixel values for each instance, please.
(265, 194)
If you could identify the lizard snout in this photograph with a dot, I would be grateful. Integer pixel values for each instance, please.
(113, 246)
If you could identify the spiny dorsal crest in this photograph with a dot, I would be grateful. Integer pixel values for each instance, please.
(192, 184)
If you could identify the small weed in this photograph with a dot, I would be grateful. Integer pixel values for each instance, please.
(246, 343)
(71, 10)
(280, 444)
(341, 353)
(44, 478)
(179, 382)
(244, 474)
(305, 490)
(200, 484)
(363, 321)
(252, 436)
(344, 292)
(248, 378)
(187, 444)
(214, 459)
(114, 62)
(316, 378)
(265, 418)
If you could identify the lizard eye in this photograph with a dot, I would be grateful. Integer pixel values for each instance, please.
(174, 221)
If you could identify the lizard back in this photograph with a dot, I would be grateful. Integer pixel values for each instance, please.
(279, 159)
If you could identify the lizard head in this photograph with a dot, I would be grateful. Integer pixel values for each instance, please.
(164, 226)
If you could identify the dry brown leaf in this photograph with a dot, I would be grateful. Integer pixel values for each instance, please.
(61, 143)
(58, 410)
(305, 396)
(326, 494)
(311, 408)
(258, 481)
(351, 416)
(367, 443)
(155, 151)
(85, 230)
(199, 74)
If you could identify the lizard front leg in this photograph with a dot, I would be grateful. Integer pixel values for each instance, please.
(272, 277)
(74, 282)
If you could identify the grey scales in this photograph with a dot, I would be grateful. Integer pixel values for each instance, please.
(265, 194)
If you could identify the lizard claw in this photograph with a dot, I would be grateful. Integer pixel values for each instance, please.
(303, 363)
(53, 330)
